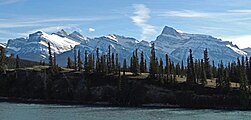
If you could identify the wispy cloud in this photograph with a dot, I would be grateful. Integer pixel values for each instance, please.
(31, 22)
(140, 18)
(206, 14)
(6, 2)
(51, 29)
(185, 13)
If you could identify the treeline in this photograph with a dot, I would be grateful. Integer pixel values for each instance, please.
(196, 71)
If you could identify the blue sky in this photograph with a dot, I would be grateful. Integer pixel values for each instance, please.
(141, 19)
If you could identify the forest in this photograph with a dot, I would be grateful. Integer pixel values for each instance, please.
(202, 83)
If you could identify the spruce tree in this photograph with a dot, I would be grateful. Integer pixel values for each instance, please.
(75, 59)
(69, 62)
(207, 64)
(113, 63)
(161, 71)
(190, 71)
(220, 77)
(153, 65)
(80, 63)
(124, 66)
(86, 62)
(182, 71)
(142, 63)
(203, 77)
(90, 63)
(50, 55)
(109, 59)
(2, 60)
(54, 60)
(167, 68)
(145, 66)
(17, 61)
(117, 66)
(97, 60)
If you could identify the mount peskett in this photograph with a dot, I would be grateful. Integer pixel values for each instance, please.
(174, 43)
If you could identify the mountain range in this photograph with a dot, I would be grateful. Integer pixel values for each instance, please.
(176, 44)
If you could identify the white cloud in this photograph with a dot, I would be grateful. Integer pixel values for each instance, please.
(140, 18)
(243, 41)
(91, 30)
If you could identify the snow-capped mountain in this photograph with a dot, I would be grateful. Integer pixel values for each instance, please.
(247, 50)
(170, 41)
(178, 44)
(3, 45)
(35, 47)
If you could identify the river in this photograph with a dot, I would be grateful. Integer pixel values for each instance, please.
(17, 111)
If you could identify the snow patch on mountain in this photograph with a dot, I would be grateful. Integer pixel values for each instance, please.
(237, 50)
(3, 45)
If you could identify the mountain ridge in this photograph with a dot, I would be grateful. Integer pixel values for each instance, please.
(170, 41)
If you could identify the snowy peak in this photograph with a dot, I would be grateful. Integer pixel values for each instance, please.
(170, 31)
(61, 33)
(247, 50)
(3, 45)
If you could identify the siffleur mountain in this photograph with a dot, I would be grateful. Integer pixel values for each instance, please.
(170, 42)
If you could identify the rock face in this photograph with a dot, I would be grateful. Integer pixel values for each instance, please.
(170, 41)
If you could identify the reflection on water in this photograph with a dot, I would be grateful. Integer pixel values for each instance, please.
(13, 111)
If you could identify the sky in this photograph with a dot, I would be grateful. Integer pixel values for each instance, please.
(229, 20)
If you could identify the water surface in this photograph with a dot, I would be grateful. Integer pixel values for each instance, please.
(16, 111)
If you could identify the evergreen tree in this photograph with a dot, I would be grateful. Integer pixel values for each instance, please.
(142, 63)
(124, 66)
(190, 69)
(2, 60)
(167, 68)
(75, 59)
(161, 71)
(214, 70)
(220, 77)
(113, 63)
(109, 59)
(182, 69)
(90, 63)
(50, 55)
(97, 60)
(86, 62)
(153, 65)
(17, 61)
(54, 60)
(243, 82)
(203, 77)
(80, 63)
(117, 66)
(145, 66)
(2, 55)
(207, 64)
(69, 62)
